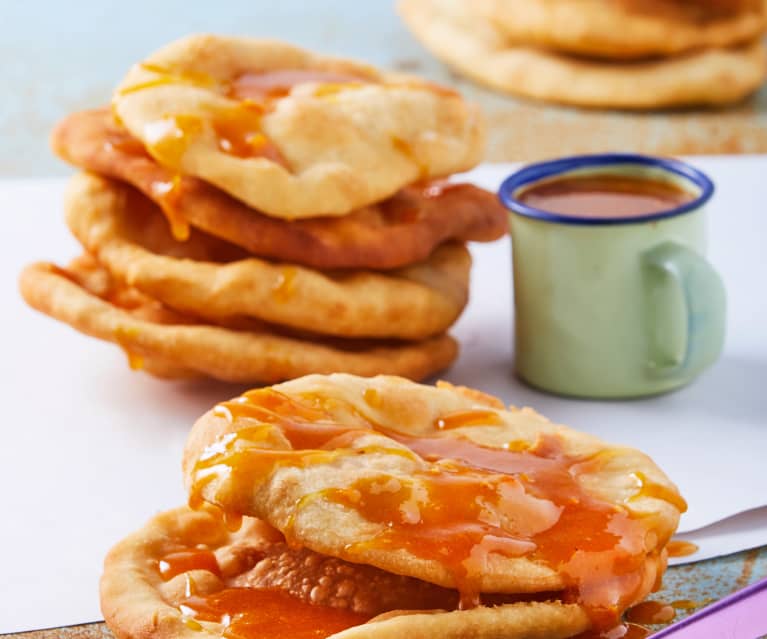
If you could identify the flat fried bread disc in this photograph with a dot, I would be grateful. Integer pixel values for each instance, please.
(209, 278)
(401, 230)
(626, 29)
(291, 133)
(171, 345)
(457, 34)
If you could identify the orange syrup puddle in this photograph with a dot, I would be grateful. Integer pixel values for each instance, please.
(621, 631)
(651, 612)
(166, 194)
(686, 604)
(680, 548)
(249, 613)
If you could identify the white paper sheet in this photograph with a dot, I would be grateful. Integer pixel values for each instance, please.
(90, 450)
(740, 532)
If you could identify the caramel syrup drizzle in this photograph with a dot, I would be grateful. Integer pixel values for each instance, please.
(462, 503)
(237, 128)
(165, 192)
(651, 612)
(249, 613)
(124, 337)
(681, 548)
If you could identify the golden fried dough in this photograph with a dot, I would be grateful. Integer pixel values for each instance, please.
(126, 233)
(389, 473)
(290, 133)
(395, 232)
(139, 602)
(625, 29)
(91, 276)
(456, 33)
(174, 346)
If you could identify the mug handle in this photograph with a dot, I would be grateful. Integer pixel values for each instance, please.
(703, 299)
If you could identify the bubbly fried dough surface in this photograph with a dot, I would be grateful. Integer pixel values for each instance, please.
(469, 42)
(139, 604)
(626, 29)
(311, 148)
(392, 233)
(168, 344)
(127, 234)
(304, 494)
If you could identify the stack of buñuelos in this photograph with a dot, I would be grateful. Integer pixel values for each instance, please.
(252, 212)
(627, 54)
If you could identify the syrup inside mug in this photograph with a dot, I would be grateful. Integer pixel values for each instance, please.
(605, 195)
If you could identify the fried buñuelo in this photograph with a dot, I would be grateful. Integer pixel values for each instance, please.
(172, 345)
(376, 507)
(458, 34)
(627, 29)
(211, 279)
(291, 133)
(394, 232)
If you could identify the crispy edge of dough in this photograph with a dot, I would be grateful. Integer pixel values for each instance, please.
(415, 302)
(355, 240)
(221, 353)
(134, 608)
(473, 46)
(613, 31)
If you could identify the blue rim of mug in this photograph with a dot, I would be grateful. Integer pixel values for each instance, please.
(542, 170)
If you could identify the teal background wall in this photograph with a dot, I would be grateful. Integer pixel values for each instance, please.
(58, 57)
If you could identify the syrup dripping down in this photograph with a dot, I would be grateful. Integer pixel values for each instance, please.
(680, 548)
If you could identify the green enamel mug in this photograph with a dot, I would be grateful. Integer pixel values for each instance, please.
(613, 307)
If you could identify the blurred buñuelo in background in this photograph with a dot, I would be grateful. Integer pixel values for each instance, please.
(627, 54)
(254, 212)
